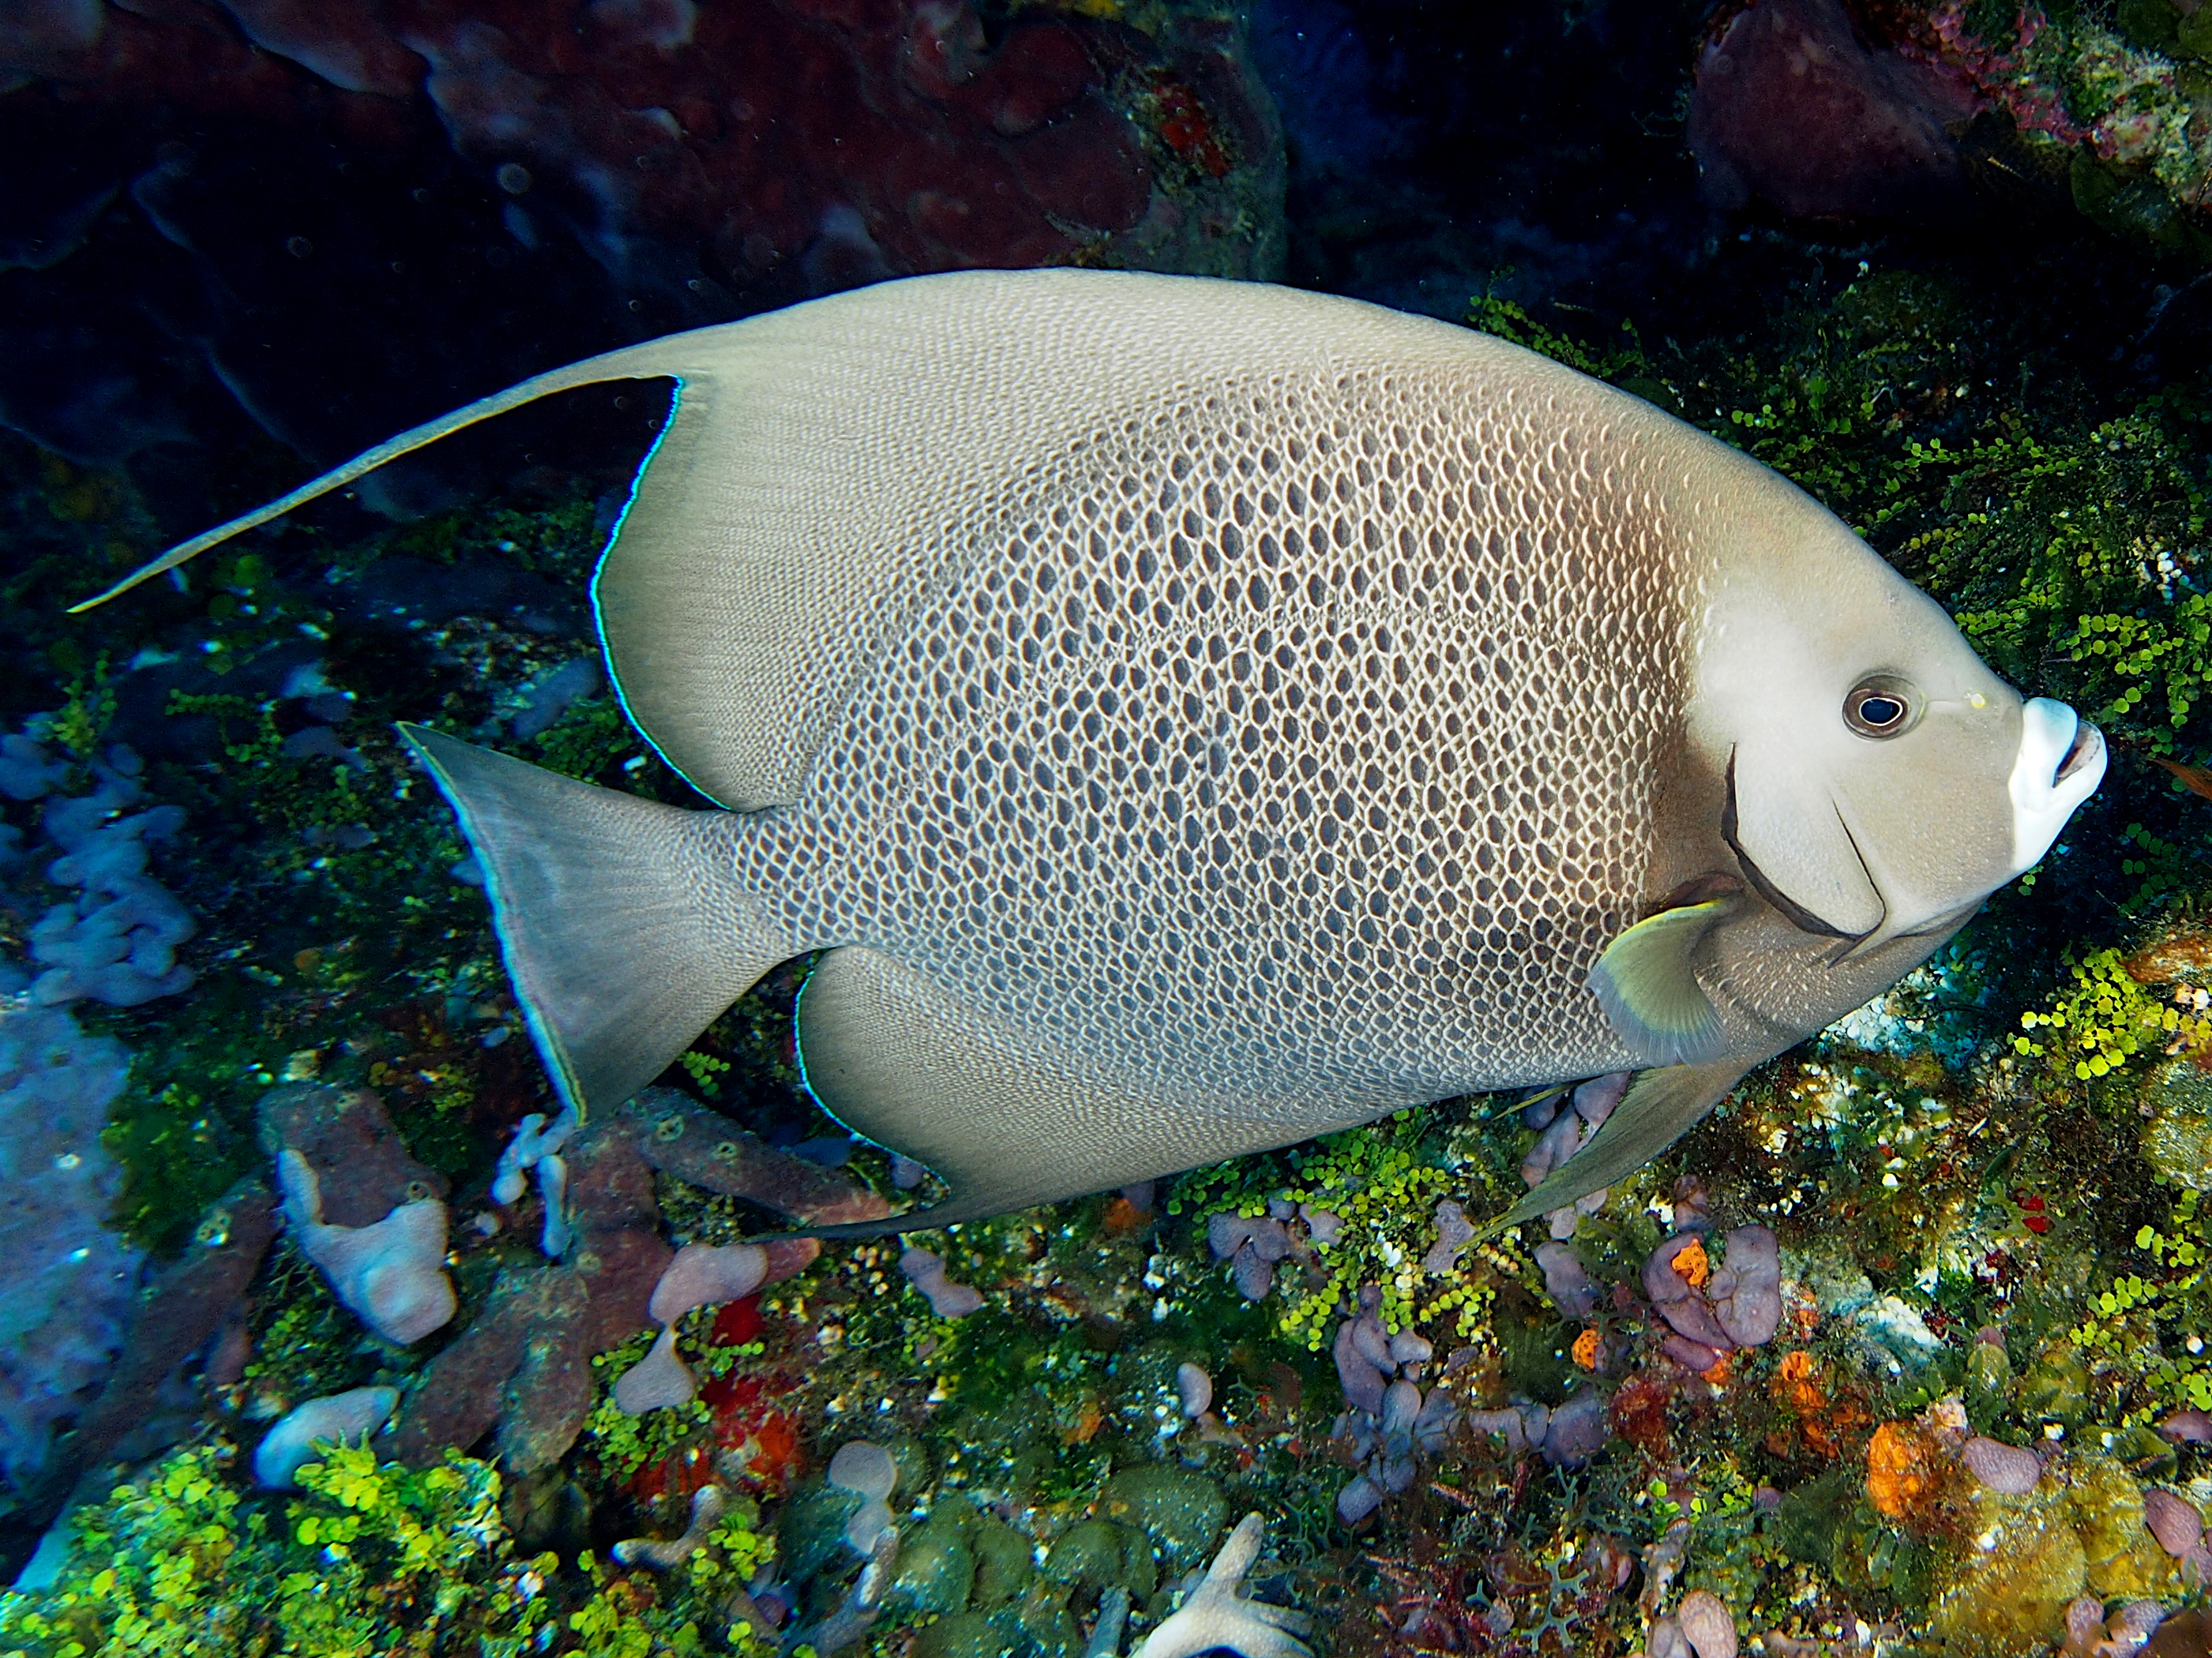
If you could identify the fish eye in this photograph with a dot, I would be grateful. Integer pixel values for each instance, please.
(1882, 705)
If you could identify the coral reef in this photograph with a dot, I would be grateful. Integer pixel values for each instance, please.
(1389, 1419)
(925, 1270)
(302, 1434)
(1915, 110)
(370, 1559)
(2120, 105)
(1792, 108)
(116, 942)
(390, 1270)
(194, 1308)
(1903, 1351)
(522, 1364)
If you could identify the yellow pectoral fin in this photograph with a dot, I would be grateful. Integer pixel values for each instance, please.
(1647, 983)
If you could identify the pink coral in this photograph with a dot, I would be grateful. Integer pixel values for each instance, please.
(1792, 106)
(391, 1273)
(2001, 74)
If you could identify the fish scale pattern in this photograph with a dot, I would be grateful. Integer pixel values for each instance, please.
(1300, 746)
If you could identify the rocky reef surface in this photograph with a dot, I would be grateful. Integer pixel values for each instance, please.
(325, 1332)
(68, 1281)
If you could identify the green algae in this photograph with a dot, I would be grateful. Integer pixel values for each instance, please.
(371, 1559)
(1003, 1567)
(1182, 1512)
(1095, 1554)
(969, 1635)
(2010, 1596)
(1988, 1384)
(936, 1569)
(2055, 1388)
(2014, 1563)
(1382, 1182)
(2177, 1141)
(810, 1532)
(2123, 1561)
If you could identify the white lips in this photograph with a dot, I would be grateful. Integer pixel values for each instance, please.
(2042, 800)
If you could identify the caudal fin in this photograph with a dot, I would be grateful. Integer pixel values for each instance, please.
(623, 927)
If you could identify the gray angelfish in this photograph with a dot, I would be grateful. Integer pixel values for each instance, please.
(1194, 716)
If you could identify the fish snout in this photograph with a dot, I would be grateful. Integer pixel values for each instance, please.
(2060, 763)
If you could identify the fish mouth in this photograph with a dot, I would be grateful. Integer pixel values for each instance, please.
(2087, 748)
(2060, 763)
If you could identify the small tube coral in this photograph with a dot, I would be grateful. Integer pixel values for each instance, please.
(925, 1270)
(1194, 1390)
(707, 1505)
(392, 1274)
(536, 1145)
(1217, 1615)
(657, 1380)
(1454, 1233)
(869, 1471)
(342, 1418)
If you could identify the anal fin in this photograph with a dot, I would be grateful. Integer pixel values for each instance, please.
(1007, 1117)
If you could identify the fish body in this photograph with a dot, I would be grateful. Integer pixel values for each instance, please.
(1194, 716)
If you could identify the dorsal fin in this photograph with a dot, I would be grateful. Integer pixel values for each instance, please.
(633, 362)
(831, 467)
(828, 468)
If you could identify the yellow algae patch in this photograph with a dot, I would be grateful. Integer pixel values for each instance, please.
(2017, 1570)
(2124, 1560)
